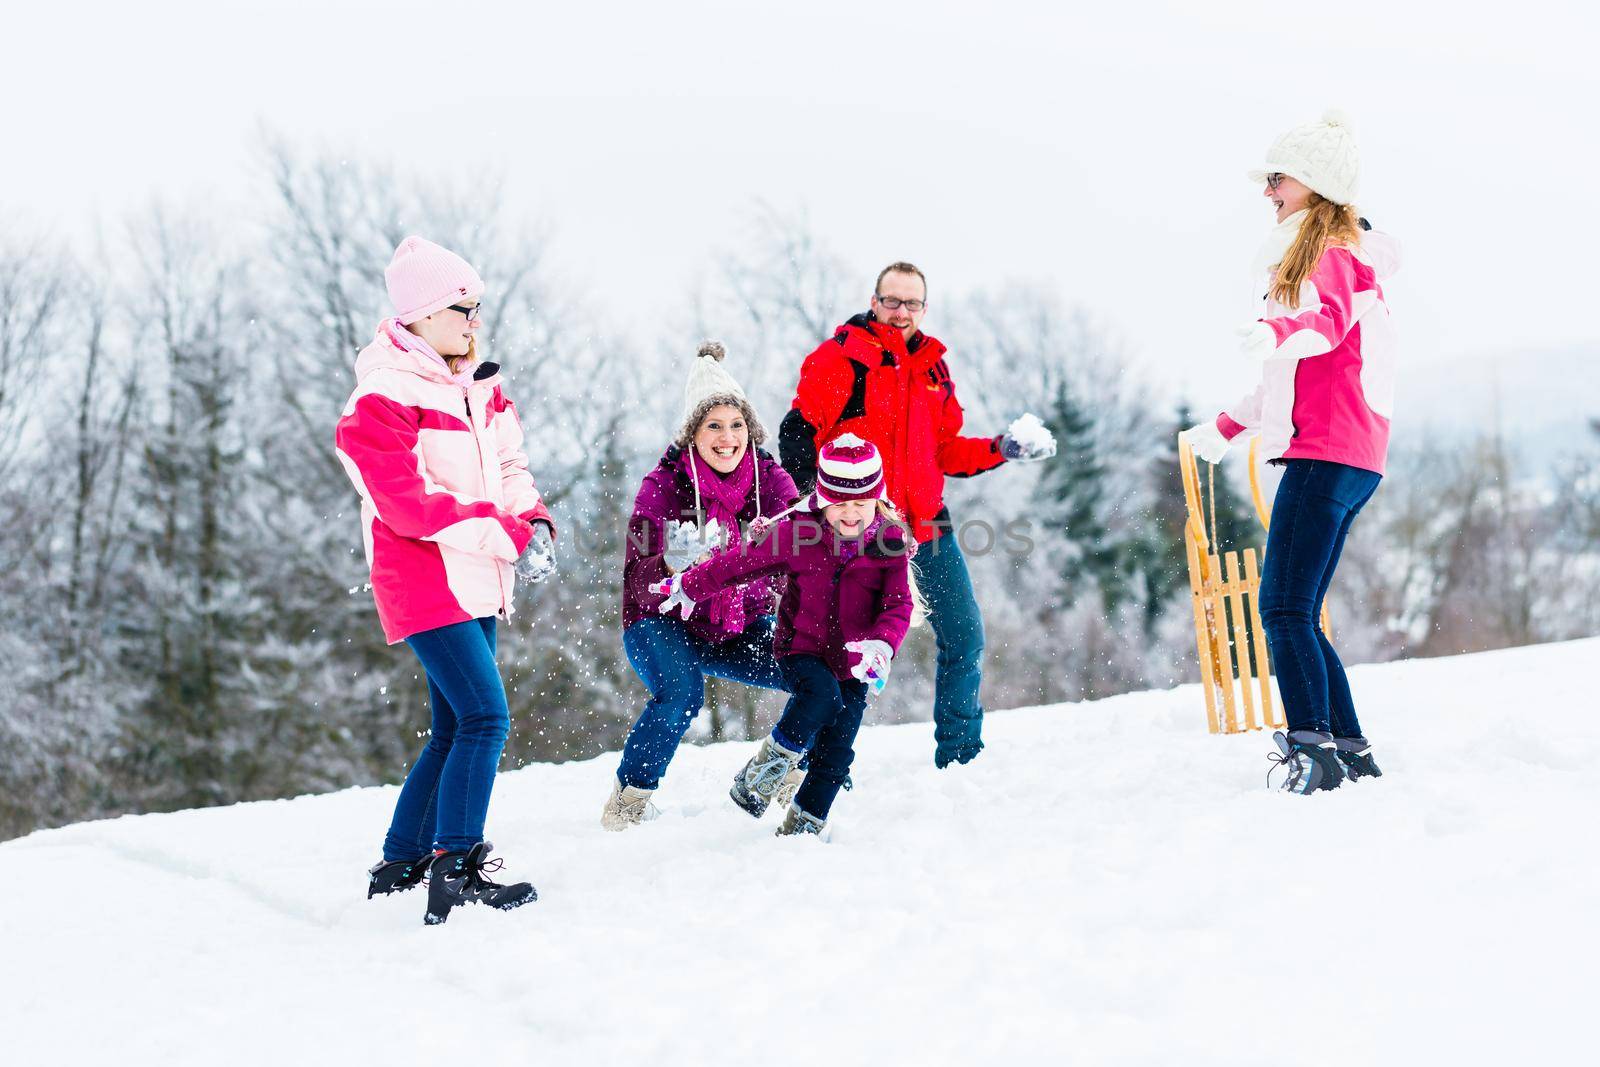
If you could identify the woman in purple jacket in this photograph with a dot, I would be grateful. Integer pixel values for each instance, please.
(844, 614)
(712, 482)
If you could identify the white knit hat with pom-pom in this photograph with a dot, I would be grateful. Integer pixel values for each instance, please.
(1320, 155)
(709, 385)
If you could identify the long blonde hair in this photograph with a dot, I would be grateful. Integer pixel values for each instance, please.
(919, 606)
(1325, 224)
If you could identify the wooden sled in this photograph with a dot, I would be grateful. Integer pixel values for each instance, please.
(1235, 673)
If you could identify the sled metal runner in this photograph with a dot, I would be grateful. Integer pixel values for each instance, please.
(1225, 589)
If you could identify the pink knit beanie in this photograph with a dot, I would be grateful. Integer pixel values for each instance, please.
(424, 278)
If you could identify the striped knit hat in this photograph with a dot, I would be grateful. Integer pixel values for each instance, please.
(848, 468)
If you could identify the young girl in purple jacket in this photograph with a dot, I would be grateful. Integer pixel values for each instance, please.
(846, 609)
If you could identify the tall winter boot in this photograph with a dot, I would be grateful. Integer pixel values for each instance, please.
(798, 820)
(627, 806)
(1356, 755)
(457, 878)
(1311, 759)
(759, 781)
(789, 787)
(396, 876)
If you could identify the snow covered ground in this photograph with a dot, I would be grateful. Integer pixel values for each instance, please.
(1106, 885)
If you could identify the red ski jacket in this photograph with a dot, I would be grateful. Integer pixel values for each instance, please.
(869, 381)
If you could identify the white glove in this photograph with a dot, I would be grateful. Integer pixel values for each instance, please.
(672, 589)
(538, 560)
(872, 666)
(1257, 341)
(1207, 441)
(686, 546)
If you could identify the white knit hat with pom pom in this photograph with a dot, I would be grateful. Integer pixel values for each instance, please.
(1320, 155)
(709, 385)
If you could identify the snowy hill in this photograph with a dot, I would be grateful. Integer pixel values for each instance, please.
(1107, 884)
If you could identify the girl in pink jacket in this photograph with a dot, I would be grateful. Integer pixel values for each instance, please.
(450, 518)
(1326, 348)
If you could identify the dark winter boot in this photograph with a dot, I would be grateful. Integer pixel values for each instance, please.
(1311, 759)
(1356, 755)
(396, 876)
(457, 878)
(762, 777)
(798, 820)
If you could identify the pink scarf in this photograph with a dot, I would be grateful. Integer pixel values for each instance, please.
(722, 497)
(406, 341)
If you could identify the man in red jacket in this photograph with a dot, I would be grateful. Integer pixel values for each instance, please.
(881, 378)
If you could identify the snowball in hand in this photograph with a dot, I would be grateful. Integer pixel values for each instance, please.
(1031, 434)
(1027, 439)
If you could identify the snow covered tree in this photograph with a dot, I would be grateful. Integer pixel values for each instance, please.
(1073, 503)
(191, 552)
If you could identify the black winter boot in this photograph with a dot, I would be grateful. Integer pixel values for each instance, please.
(1356, 755)
(456, 878)
(1311, 759)
(396, 876)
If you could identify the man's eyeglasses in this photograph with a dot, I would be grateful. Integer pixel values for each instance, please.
(1273, 180)
(894, 303)
(473, 312)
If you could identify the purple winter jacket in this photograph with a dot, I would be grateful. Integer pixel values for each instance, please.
(839, 590)
(666, 494)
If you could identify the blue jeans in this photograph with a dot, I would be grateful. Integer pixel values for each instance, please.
(446, 796)
(673, 664)
(1316, 504)
(821, 719)
(941, 573)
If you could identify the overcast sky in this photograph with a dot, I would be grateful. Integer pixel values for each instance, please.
(1096, 151)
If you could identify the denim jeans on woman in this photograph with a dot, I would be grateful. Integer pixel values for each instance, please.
(1316, 504)
(673, 664)
(821, 720)
(446, 796)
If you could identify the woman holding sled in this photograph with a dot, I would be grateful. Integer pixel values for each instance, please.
(1326, 347)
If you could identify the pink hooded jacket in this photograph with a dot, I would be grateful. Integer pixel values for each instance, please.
(1327, 386)
(446, 499)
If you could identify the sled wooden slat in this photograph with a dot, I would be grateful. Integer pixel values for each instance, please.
(1269, 716)
(1239, 639)
(1208, 678)
(1222, 649)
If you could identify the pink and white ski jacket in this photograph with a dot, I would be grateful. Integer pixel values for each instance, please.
(1327, 386)
(446, 499)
